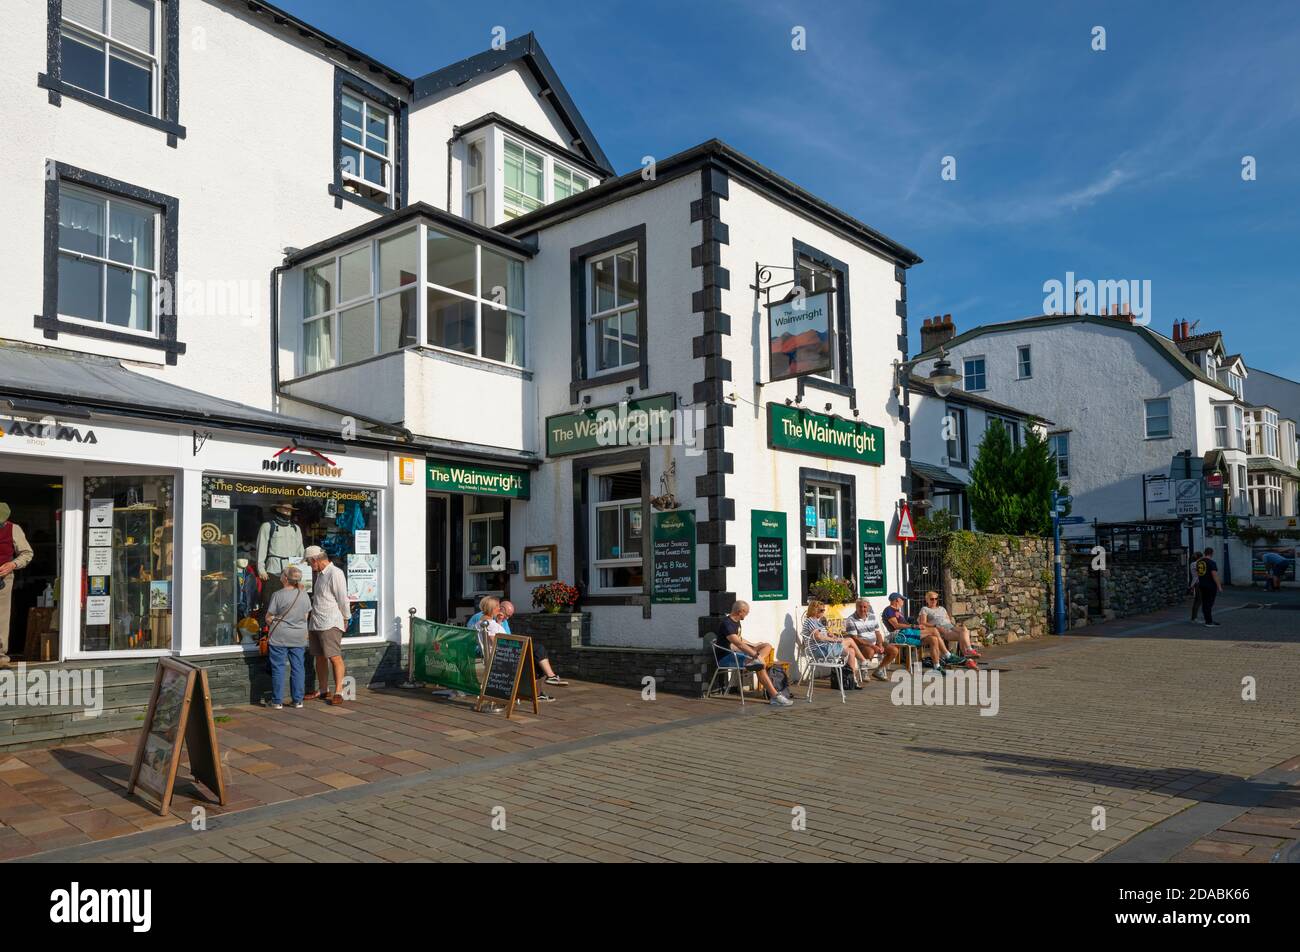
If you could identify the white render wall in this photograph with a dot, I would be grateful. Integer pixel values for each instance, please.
(250, 176)
(762, 232)
(1093, 381)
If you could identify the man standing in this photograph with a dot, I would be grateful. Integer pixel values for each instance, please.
(1207, 572)
(15, 554)
(330, 611)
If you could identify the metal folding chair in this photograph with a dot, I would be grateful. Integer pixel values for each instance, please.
(732, 662)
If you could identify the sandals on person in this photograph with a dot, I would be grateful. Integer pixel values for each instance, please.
(336, 700)
(312, 696)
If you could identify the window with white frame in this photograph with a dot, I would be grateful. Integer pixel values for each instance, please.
(108, 260)
(1268, 441)
(1157, 418)
(524, 189)
(1289, 442)
(361, 302)
(973, 373)
(476, 190)
(366, 156)
(485, 528)
(1011, 426)
(112, 48)
(1221, 430)
(614, 309)
(475, 299)
(565, 182)
(1024, 364)
(1266, 494)
(1059, 446)
(1235, 384)
(823, 540)
(1238, 428)
(616, 531)
(955, 427)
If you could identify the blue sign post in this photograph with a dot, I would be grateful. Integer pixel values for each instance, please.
(1058, 503)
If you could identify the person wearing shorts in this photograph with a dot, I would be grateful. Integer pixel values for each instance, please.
(330, 611)
(935, 616)
(903, 632)
(825, 646)
(864, 628)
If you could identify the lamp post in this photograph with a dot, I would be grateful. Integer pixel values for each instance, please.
(943, 377)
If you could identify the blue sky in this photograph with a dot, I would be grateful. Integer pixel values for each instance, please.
(1122, 164)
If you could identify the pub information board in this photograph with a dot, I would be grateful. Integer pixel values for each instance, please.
(509, 675)
(871, 542)
(180, 711)
(672, 541)
(767, 532)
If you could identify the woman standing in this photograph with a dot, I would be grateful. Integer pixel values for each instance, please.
(286, 618)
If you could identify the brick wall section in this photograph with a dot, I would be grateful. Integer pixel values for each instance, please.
(1018, 596)
(567, 638)
(233, 679)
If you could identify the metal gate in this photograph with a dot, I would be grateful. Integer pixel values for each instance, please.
(924, 571)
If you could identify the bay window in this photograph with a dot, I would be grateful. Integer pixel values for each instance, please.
(566, 182)
(475, 299)
(506, 171)
(476, 191)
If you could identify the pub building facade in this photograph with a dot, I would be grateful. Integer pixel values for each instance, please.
(470, 355)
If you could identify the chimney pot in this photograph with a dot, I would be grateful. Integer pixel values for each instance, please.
(1184, 330)
(936, 332)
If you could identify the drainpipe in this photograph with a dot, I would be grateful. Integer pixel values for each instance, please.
(403, 433)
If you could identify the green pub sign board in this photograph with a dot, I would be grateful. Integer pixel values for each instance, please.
(815, 434)
(672, 542)
(646, 422)
(767, 552)
(871, 544)
(449, 477)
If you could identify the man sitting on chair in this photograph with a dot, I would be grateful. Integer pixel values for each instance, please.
(745, 655)
(903, 632)
(864, 628)
(824, 646)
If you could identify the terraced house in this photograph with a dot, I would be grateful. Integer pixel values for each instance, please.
(298, 297)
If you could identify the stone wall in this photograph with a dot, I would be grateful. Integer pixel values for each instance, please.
(1125, 588)
(1017, 599)
(567, 638)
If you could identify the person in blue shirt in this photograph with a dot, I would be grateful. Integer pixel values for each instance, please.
(1275, 566)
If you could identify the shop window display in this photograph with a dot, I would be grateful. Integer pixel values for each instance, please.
(252, 531)
(128, 563)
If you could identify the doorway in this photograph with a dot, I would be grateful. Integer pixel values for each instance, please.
(437, 542)
(36, 507)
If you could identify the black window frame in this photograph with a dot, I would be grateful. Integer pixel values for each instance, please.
(168, 208)
(844, 330)
(578, 261)
(582, 561)
(962, 461)
(398, 157)
(168, 122)
(848, 515)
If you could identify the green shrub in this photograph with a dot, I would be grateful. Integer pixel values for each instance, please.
(969, 556)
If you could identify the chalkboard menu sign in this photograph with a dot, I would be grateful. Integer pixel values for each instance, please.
(509, 675)
(672, 543)
(871, 541)
(767, 534)
(180, 711)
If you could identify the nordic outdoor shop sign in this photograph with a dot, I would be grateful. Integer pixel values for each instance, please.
(633, 423)
(814, 434)
(451, 477)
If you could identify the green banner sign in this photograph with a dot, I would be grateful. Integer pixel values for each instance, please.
(768, 555)
(450, 477)
(443, 655)
(871, 545)
(672, 543)
(645, 422)
(815, 434)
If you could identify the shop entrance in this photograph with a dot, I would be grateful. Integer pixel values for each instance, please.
(438, 542)
(29, 615)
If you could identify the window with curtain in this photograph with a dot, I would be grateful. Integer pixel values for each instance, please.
(475, 299)
(108, 260)
(112, 48)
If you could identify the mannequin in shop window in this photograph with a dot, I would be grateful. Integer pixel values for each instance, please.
(279, 543)
(15, 554)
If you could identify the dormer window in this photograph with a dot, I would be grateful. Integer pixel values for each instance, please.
(525, 180)
(507, 171)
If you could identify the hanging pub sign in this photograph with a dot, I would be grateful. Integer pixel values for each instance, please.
(767, 534)
(815, 434)
(871, 541)
(672, 544)
(799, 335)
(448, 476)
(632, 423)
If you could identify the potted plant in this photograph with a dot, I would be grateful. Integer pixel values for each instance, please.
(554, 597)
(835, 592)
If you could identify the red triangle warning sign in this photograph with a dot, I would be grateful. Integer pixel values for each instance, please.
(905, 531)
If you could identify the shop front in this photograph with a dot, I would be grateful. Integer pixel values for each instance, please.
(468, 534)
(134, 539)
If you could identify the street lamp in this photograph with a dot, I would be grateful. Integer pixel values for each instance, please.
(943, 377)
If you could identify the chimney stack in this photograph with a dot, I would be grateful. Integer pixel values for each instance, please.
(1183, 332)
(936, 331)
(1178, 330)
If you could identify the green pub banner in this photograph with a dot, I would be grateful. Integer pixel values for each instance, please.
(871, 543)
(645, 422)
(767, 552)
(672, 543)
(443, 655)
(451, 477)
(815, 434)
